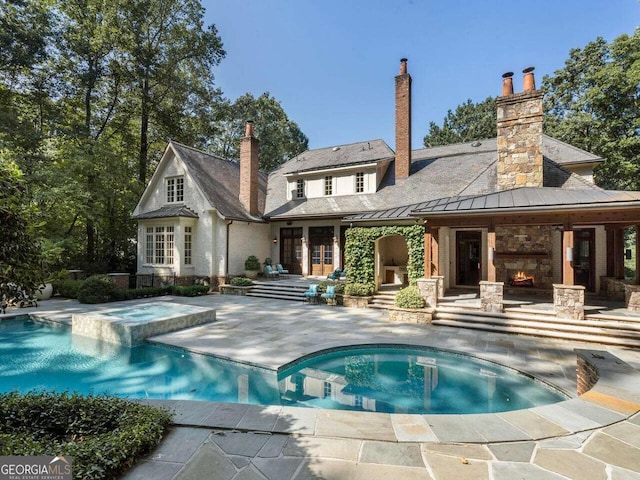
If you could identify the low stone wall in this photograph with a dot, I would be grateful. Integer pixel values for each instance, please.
(568, 301)
(421, 316)
(612, 288)
(355, 302)
(234, 290)
(492, 296)
(632, 297)
(120, 279)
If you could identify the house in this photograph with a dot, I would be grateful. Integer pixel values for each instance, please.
(520, 209)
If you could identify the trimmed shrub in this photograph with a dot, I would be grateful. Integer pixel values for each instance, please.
(252, 263)
(358, 289)
(241, 282)
(409, 297)
(322, 286)
(97, 289)
(67, 288)
(104, 435)
(191, 290)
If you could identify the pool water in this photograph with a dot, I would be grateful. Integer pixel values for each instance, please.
(44, 356)
(151, 311)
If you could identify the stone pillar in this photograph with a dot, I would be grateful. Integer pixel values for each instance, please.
(428, 288)
(120, 279)
(632, 297)
(492, 296)
(440, 279)
(568, 301)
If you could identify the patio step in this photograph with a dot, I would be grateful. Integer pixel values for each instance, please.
(279, 290)
(607, 332)
(385, 297)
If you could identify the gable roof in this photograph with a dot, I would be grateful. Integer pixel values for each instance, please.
(167, 212)
(438, 172)
(219, 181)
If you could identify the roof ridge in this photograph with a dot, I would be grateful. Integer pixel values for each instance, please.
(341, 145)
(198, 150)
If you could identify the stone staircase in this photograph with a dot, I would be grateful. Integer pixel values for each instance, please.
(605, 329)
(385, 297)
(279, 290)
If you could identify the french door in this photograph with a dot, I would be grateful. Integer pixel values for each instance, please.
(321, 250)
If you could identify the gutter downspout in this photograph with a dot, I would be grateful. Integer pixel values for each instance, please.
(226, 268)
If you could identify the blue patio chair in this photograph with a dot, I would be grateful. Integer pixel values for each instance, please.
(281, 270)
(330, 295)
(312, 293)
(271, 273)
(337, 273)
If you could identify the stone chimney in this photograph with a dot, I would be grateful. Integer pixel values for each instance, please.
(519, 134)
(249, 186)
(403, 122)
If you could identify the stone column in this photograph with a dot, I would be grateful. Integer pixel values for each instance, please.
(428, 288)
(492, 296)
(440, 279)
(632, 297)
(568, 301)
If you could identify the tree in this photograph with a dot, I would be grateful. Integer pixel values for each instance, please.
(471, 121)
(593, 102)
(280, 138)
(21, 259)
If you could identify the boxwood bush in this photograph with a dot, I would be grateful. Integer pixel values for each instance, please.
(67, 288)
(358, 289)
(241, 282)
(409, 297)
(97, 289)
(104, 435)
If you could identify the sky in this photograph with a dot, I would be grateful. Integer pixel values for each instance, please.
(331, 63)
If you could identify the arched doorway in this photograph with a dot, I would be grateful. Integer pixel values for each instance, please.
(392, 258)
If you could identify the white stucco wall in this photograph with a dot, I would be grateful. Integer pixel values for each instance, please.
(344, 183)
(247, 239)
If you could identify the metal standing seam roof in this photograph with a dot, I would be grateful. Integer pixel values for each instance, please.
(167, 212)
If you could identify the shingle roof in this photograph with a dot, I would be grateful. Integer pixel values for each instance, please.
(166, 212)
(219, 180)
(439, 172)
(339, 156)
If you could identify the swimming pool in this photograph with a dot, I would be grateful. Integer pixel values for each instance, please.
(37, 355)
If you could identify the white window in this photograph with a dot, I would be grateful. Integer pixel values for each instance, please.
(300, 188)
(359, 182)
(175, 190)
(187, 245)
(160, 243)
(328, 185)
(326, 390)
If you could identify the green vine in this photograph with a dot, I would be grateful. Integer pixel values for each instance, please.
(360, 251)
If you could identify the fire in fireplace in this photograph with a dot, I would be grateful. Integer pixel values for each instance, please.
(521, 279)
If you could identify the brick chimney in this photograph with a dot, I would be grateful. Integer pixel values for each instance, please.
(519, 134)
(249, 146)
(403, 122)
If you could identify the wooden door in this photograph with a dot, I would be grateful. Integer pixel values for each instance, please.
(321, 250)
(291, 249)
(468, 258)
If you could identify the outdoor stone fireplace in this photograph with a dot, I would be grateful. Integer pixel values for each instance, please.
(523, 257)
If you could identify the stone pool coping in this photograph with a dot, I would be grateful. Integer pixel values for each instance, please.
(614, 398)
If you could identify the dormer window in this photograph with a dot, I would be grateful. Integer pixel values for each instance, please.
(175, 190)
(360, 182)
(328, 185)
(300, 188)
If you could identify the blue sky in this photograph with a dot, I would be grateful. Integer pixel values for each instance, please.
(331, 63)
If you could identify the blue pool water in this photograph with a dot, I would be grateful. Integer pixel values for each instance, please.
(35, 355)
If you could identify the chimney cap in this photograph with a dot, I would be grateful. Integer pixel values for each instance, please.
(403, 60)
(507, 75)
(248, 130)
(528, 70)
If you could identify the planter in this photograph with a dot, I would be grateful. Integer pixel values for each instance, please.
(252, 274)
(355, 302)
(421, 316)
(233, 290)
(44, 292)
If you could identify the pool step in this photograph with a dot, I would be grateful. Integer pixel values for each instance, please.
(609, 332)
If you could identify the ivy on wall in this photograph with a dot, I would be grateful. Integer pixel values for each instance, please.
(359, 251)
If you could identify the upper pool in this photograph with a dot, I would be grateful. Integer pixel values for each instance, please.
(35, 355)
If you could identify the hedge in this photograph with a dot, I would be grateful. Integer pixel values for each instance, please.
(104, 435)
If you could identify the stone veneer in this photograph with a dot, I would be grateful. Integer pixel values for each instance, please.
(109, 327)
(587, 375)
(428, 288)
(421, 316)
(612, 288)
(568, 301)
(492, 296)
(632, 297)
(525, 249)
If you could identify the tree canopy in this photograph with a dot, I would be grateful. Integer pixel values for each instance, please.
(470, 121)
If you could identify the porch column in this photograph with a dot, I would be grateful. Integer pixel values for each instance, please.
(611, 241)
(618, 253)
(567, 255)
(427, 252)
(638, 254)
(491, 252)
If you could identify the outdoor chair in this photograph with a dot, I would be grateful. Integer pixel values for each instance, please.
(337, 273)
(330, 295)
(271, 273)
(312, 293)
(281, 271)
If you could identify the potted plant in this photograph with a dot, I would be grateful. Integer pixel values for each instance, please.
(252, 267)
